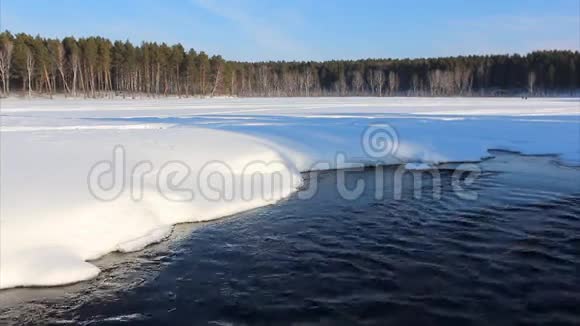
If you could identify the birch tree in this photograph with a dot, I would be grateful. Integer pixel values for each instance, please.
(6, 48)
(531, 82)
(393, 83)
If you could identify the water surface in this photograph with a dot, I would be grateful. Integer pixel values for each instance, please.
(510, 256)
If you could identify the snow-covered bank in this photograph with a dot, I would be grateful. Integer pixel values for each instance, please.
(52, 221)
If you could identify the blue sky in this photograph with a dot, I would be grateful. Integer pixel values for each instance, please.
(311, 29)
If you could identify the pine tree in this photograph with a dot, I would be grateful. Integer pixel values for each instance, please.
(97, 66)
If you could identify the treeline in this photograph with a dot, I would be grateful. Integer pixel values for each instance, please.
(95, 67)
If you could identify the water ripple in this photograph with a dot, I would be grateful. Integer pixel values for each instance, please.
(513, 256)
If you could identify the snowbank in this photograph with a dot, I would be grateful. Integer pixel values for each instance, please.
(81, 178)
(52, 223)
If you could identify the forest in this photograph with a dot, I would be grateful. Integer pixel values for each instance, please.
(98, 67)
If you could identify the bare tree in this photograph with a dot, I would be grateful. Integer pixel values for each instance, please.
(447, 86)
(531, 82)
(29, 69)
(467, 81)
(308, 81)
(6, 49)
(75, 63)
(357, 82)
(462, 80)
(342, 88)
(441, 82)
(393, 82)
(414, 85)
(434, 81)
(233, 83)
(263, 72)
(378, 77)
(218, 77)
(291, 84)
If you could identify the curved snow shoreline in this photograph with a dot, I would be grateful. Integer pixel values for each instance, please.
(61, 267)
(52, 225)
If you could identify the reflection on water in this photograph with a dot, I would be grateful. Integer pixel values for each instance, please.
(512, 255)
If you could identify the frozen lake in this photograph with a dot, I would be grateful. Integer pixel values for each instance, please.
(66, 199)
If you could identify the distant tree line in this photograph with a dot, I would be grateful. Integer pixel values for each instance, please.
(96, 67)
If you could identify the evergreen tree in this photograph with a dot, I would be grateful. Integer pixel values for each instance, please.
(98, 67)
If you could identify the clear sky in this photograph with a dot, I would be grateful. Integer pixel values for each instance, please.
(253, 30)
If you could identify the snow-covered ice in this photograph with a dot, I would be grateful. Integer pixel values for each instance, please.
(52, 223)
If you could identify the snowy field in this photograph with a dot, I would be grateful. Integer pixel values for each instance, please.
(82, 178)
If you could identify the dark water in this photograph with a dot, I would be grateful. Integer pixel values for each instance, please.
(510, 257)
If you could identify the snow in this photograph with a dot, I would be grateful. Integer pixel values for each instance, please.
(157, 235)
(53, 223)
(418, 166)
